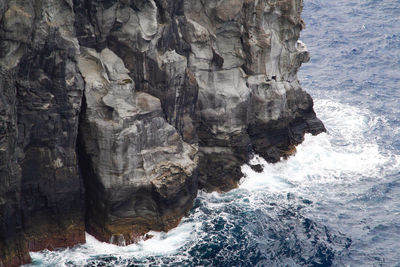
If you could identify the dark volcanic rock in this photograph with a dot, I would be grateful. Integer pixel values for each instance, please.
(117, 111)
(245, 58)
(43, 90)
(257, 168)
(13, 250)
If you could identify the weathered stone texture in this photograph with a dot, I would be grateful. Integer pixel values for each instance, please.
(43, 100)
(140, 163)
(118, 110)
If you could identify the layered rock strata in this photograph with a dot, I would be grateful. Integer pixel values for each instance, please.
(113, 113)
(42, 201)
(139, 173)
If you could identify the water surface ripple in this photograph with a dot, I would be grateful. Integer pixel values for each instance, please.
(337, 202)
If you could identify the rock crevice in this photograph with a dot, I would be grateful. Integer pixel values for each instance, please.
(113, 113)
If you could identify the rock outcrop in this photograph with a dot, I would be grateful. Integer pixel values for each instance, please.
(113, 113)
(139, 173)
(42, 202)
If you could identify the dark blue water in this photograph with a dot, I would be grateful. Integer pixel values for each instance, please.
(337, 202)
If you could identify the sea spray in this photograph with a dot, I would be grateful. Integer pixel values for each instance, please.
(221, 227)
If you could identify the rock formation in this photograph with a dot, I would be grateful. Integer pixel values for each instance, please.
(113, 113)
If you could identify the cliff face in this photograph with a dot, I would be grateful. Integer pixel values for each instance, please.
(114, 112)
(41, 203)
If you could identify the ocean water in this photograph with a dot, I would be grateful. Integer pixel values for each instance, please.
(337, 201)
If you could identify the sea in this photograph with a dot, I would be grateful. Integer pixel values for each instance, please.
(337, 201)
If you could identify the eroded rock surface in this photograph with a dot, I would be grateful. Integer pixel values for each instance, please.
(245, 56)
(139, 173)
(41, 190)
(114, 112)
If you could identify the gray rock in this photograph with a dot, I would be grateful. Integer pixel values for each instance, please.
(249, 96)
(133, 105)
(134, 155)
(42, 100)
(13, 250)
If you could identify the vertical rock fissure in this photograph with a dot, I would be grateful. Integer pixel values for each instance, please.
(142, 102)
(95, 209)
(139, 173)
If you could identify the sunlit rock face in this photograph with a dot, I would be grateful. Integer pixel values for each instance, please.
(245, 56)
(139, 173)
(113, 113)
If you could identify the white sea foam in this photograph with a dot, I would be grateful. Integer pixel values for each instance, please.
(345, 151)
(342, 156)
(161, 244)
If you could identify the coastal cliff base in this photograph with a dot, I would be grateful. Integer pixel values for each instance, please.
(114, 113)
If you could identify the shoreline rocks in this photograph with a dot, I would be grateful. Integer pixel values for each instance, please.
(114, 113)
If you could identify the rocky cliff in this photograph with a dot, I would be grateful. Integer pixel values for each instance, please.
(114, 112)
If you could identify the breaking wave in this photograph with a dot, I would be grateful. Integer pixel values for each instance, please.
(299, 211)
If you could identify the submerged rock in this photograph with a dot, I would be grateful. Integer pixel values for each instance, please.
(113, 113)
